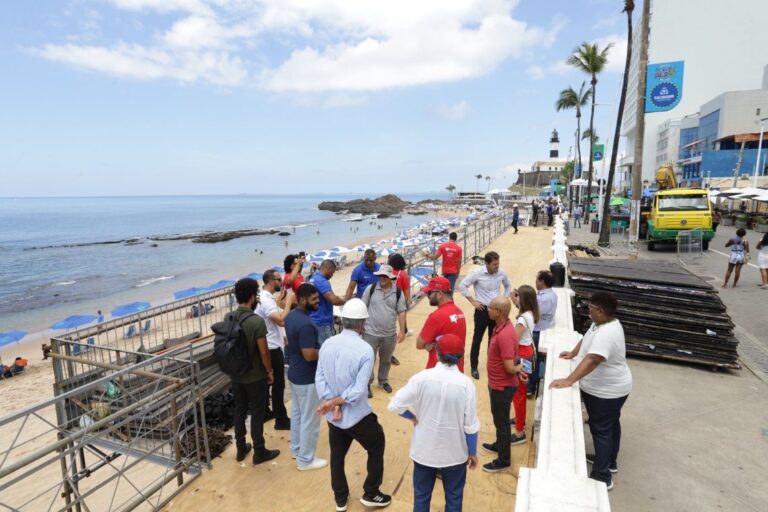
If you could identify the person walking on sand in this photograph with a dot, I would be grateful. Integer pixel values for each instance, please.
(362, 275)
(446, 319)
(451, 253)
(343, 370)
(762, 260)
(528, 314)
(739, 255)
(442, 405)
(323, 315)
(487, 280)
(515, 216)
(274, 318)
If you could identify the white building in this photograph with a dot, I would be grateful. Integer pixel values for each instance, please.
(667, 142)
(724, 49)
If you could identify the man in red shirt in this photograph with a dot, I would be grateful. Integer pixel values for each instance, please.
(451, 253)
(446, 319)
(503, 381)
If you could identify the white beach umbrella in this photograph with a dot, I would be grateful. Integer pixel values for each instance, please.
(762, 198)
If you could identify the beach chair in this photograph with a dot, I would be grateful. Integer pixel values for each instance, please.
(91, 343)
(146, 326)
(75, 350)
(131, 332)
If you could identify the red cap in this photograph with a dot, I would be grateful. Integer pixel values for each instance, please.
(450, 344)
(437, 284)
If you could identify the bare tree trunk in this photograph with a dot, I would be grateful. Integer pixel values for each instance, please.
(591, 155)
(605, 228)
(578, 144)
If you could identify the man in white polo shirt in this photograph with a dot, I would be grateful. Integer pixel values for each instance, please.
(605, 381)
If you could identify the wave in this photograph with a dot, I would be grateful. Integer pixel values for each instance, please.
(64, 283)
(147, 282)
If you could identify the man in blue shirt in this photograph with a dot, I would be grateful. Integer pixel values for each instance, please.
(302, 353)
(323, 315)
(362, 275)
(343, 370)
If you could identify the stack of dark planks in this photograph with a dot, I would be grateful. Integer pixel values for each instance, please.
(666, 311)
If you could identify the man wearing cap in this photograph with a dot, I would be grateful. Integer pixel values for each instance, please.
(446, 319)
(487, 280)
(503, 381)
(362, 275)
(442, 405)
(343, 370)
(515, 216)
(386, 308)
(451, 254)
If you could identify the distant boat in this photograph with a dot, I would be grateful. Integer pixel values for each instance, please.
(283, 233)
(355, 217)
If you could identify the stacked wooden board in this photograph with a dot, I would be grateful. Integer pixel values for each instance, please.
(666, 311)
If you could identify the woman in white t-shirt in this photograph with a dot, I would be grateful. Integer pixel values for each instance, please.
(528, 306)
(605, 381)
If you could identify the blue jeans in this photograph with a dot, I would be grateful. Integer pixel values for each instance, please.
(451, 279)
(323, 333)
(454, 478)
(305, 422)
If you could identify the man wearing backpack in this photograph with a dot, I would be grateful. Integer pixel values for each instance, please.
(386, 308)
(250, 388)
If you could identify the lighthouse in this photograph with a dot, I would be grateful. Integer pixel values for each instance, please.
(554, 143)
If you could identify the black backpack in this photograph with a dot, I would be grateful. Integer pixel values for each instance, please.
(229, 347)
(372, 287)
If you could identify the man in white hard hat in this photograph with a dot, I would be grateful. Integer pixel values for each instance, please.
(343, 370)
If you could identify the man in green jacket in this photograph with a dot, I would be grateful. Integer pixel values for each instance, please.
(250, 389)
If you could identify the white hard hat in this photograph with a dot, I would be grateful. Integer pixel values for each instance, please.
(355, 309)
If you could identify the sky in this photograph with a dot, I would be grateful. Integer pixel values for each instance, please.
(157, 97)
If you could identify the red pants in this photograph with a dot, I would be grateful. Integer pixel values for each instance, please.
(519, 400)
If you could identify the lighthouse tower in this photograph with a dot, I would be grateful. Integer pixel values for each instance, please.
(554, 143)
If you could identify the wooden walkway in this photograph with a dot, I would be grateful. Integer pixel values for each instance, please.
(278, 485)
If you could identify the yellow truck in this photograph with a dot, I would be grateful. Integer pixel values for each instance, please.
(672, 210)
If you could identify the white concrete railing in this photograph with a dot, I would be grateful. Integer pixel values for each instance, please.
(559, 483)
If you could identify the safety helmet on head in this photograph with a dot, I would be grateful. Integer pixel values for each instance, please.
(354, 309)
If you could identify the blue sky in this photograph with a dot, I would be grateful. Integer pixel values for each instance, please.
(151, 97)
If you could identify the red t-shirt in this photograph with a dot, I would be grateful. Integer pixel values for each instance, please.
(401, 280)
(451, 254)
(503, 346)
(446, 319)
(296, 282)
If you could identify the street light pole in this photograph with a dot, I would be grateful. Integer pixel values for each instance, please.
(759, 149)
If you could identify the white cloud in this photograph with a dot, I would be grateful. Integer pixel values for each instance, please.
(332, 46)
(454, 112)
(558, 68)
(608, 22)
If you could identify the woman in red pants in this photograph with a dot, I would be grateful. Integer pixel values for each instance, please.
(528, 314)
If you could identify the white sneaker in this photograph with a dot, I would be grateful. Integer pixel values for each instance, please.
(315, 464)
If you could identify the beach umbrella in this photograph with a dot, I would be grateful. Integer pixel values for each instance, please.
(619, 201)
(421, 271)
(385, 252)
(253, 275)
(278, 268)
(220, 284)
(188, 292)
(316, 258)
(131, 308)
(341, 249)
(762, 198)
(8, 337)
(74, 321)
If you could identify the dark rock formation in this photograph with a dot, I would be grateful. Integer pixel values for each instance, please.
(385, 205)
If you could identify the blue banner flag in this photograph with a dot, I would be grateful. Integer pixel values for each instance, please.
(664, 86)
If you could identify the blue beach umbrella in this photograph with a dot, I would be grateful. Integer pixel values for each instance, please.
(188, 292)
(254, 275)
(316, 258)
(74, 321)
(8, 337)
(220, 284)
(131, 308)
(385, 252)
(421, 271)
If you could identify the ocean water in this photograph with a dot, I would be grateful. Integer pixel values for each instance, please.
(54, 262)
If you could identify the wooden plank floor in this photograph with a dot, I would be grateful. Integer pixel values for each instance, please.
(279, 486)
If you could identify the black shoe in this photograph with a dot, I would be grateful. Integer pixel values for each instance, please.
(516, 439)
(490, 447)
(370, 393)
(269, 415)
(475, 374)
(283, 424)
(377, 499)
(264, 456)
(242, 452)
(613, 468)
(495, 466)
(386, 387)
(341, 504)
(395, 361)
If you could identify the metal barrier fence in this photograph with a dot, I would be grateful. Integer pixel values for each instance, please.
(129, 437)
(690, 244)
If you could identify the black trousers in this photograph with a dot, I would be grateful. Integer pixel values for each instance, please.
(604, 424)
(501, 402)
(482, 323)
(370, 435)
(253, 397)
(278, 386)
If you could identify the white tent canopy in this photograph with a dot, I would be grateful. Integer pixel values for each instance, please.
(579, 182)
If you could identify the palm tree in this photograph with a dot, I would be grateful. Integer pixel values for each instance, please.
(587, 134)
(605, 229)
(570, 99)
(478, 177)
(590, 59)
(450, 189)
(488, 179)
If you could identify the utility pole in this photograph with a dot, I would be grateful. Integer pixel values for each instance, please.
(637, 160)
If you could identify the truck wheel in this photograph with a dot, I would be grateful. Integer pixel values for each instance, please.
(705, 245)
(651, 245)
